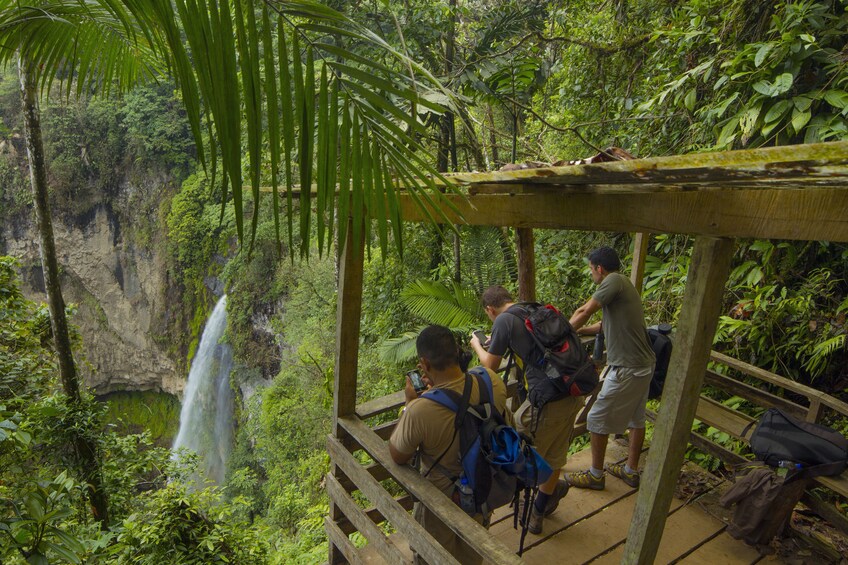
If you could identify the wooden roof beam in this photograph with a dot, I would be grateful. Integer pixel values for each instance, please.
(808, 214)
(820, 161)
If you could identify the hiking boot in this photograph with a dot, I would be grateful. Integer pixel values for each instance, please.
(618, 470)
(536, 520)
(559, 493)
(585, 479)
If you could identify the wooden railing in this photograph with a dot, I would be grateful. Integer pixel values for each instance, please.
(366, 479)
(763, 388)
(755, 385)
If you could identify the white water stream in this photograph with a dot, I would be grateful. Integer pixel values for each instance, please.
(206, 419)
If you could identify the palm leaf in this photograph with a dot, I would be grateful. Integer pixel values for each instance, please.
(217, 50)
(103, 44)
(454, 307)
(400, 351)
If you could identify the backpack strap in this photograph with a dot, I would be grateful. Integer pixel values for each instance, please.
(459, 404)
(832, 468)
(521, 312)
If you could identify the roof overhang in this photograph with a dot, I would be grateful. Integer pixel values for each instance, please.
(790, 192)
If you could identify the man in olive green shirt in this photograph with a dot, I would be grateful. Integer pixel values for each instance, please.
(621, 402)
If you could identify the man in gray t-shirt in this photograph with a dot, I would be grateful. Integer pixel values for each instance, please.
(550, 426)
(621, 402)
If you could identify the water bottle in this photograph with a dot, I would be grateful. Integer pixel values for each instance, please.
(784, 464)
(466, 497)
(598, 353)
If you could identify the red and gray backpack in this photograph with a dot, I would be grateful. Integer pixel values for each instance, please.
(562, 366)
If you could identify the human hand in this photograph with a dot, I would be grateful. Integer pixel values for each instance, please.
(479, 341)
(409, 391)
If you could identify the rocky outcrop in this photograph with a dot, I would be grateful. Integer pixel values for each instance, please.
(119, 288)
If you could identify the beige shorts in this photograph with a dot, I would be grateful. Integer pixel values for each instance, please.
(554, 428)
(621, 402)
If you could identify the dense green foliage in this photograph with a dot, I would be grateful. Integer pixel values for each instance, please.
(136, 412)
(43, 515)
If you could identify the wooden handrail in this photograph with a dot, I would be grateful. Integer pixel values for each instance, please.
(763, 398)
(363, 523)
(788, 384)
(472, 533)
(428, 547)
(380, 405)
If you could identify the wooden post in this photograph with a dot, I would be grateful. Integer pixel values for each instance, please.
(640, 251)
(348, 316)
(708, 273)
(526, 265)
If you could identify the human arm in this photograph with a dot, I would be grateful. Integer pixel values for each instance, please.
(593, 329)
(405, 438)
(399, 457)
(488, 360)
(582, 315)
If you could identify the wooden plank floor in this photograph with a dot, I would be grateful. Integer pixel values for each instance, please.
(591, 527)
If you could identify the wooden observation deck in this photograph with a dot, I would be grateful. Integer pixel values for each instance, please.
(795, 192)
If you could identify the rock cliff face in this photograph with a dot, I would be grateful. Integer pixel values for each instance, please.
(119, 288)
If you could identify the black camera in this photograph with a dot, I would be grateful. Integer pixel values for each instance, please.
(417, 381)
(481, 337)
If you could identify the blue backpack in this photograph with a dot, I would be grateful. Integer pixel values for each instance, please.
(497, 462)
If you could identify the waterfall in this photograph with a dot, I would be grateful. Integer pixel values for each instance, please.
(206, 418)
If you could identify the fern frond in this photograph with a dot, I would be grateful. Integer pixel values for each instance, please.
(434, 302)
(400, 351)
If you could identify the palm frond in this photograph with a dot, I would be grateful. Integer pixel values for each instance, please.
(345, 113)
(400, 351)
(454, 307)
(100, 45)
(357, 130)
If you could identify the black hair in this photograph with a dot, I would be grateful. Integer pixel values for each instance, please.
(495, 296)
(437, 345)
(605, 257)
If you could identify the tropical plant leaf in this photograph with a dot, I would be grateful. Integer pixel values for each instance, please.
(400, 350)
(454, 307)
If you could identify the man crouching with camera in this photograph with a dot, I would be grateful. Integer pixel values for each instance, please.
(427, 427)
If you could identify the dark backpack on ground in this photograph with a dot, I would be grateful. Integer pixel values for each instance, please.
(661, 344)
(498, 463)
(563, 367)
(808, 449)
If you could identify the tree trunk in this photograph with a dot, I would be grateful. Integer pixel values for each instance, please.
(84, 447)
(473, 141)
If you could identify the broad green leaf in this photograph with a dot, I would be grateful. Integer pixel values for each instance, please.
(728, 132)
(63, 552)
(802, 102)
(35, 506)
(800, 119)
(37, 559)
(764, 87)
(690, 99)
(777, 111)
(762, 53)
(783, 83)
(721, 108)
(837, 98)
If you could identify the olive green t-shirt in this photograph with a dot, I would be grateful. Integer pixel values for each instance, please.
(429, 425)
(623, 323)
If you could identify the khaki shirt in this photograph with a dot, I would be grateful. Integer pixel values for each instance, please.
(428, 425)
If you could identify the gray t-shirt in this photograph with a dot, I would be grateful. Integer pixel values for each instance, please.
(509, 333)
(624, 323)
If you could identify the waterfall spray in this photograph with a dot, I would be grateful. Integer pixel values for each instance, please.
(206, 418)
